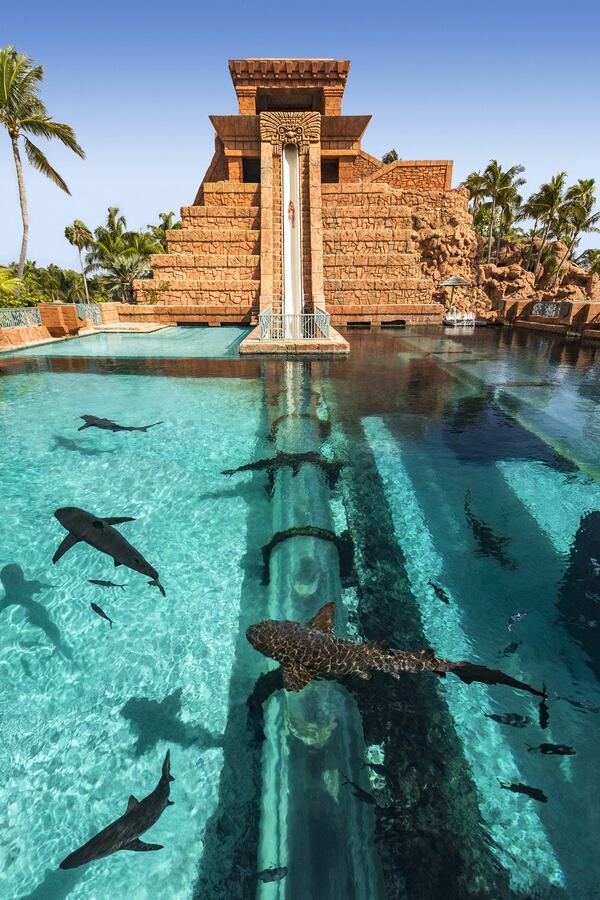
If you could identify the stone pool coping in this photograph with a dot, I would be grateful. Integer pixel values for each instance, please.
(335, 344)
(112, 328)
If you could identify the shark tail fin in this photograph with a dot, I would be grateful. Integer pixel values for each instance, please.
(166, 768)
(156, 583)
(154, 424)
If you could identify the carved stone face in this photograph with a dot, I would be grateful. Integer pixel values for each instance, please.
(289, 135)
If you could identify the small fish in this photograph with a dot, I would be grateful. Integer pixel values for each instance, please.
(544, 712)
(106, 584)
(101, 613)
(510, 648)
(359, 793)
(440, 592)
(554, 750)
(518, 788)
(376, 767)
(275, 873)
(513, 719)
(515, 619)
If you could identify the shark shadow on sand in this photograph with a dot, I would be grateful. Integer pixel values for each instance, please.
(78, 446)
(20, 592)
(343, 543)
(155, 721)
(294, 461)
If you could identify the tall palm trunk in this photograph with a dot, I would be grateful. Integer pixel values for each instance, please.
(23, 202)
(538, 258)
(491, 234)
(85, 287)
(564, 259)
(529, 258)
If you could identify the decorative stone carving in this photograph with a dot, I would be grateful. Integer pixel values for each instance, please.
(281, 128)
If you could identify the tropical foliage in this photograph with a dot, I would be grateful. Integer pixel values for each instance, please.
(558, 213)
(590, 259)
(24, 115)
(50, 285)
(9, 288)
(389, 157)
(123, 256)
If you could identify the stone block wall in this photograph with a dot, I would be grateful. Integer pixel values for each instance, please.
(418, 175)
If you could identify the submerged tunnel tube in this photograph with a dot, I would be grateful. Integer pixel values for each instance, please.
(310, 822)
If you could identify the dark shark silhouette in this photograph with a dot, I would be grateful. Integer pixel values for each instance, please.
(65, 443)
(489, 543)
(308, 651)
(100, 534)
(19, 592)
(124, 833)
(293, 461)
(109, 425)
(155, 721)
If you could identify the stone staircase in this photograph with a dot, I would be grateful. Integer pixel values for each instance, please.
(212, 267)
(371, 256)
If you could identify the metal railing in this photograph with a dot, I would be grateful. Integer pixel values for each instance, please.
(89, 311)
(301, 327)
(17, 317)
(551, 310)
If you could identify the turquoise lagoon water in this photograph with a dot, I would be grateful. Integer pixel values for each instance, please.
(170, 342)
(427, 423)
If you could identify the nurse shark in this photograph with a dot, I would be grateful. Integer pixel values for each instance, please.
(309, 651)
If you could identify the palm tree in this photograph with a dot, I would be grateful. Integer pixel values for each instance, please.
(80, 236)
(579, 216)
(499, 183)
(509, 203)
(23, 113)
(590, 259)
(120, 271)
(477, 187)
(549, 199)
(389, 157)
(167, 222)
(532, 209)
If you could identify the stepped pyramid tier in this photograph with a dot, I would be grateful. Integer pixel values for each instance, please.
(293, 215)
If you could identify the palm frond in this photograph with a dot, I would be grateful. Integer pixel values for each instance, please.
(39, 162)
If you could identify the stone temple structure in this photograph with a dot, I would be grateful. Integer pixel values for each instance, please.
(294, 216)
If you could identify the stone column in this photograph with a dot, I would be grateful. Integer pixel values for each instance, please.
(266, 225)
(316, 225)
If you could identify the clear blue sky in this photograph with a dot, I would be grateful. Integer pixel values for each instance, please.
(517, 81)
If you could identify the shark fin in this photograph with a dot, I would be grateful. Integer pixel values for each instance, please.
(170, 803)
(117, 520)
(65, 545)
(324, 620)
(140, 845)
(116, 563)
(132, 803)
(296, 676)
(378, 645)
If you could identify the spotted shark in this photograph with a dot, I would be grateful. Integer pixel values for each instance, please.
(100, 534)
(310, 651)
(109, 425)
(124, 833)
